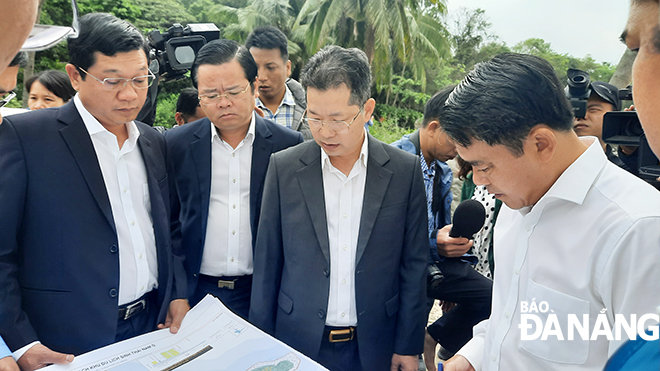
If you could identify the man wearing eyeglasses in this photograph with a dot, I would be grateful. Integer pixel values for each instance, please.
(220, 165)
(85, 252)
(342, 248)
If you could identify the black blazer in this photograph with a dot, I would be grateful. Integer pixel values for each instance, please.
(59, 262)
(190, 150)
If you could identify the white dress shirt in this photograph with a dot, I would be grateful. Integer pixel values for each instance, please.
(343, 207)
(125, 178)
(228, 241)
(589, 245)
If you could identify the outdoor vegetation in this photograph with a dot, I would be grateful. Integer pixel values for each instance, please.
(413, 48)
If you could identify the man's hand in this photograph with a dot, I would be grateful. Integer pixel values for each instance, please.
(404, 363)
(175, 313)
(8, 364)
(457, 363)
(40, 356)
(446, 306)
(451, 247)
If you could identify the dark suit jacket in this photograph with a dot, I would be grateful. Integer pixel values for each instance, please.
(59, 262)
(190, 149)
(292, 259)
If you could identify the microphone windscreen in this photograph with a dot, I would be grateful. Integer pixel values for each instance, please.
(469, 217)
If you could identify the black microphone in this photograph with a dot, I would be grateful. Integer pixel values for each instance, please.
(469, 217)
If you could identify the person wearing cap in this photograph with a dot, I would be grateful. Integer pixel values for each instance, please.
(604, 98)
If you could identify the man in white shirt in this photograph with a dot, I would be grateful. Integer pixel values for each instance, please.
(578, 237)
(85, 253)
(342, 249)
(220, 165)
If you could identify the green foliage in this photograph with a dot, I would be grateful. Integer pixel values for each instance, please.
(402, 117)
(388, 131)
(165, 110)
(161, 14)
(407, 93)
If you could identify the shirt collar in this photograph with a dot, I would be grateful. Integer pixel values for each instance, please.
(249, 136)
(287, 100)
(94, 126)
(364, 153)
(574, 183)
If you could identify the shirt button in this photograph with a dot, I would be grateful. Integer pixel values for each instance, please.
(125, 190)
(233, 206)
(234, 180)
(507, 314)
(232, 259)
(528, 228)
(493, 358)
(345, 216)
(516, 271)
(345, 247)
(233, 233)
(140, 256)
(132, 222)
(343, 282)
(142, 288)
(343, 314)
(233, 155)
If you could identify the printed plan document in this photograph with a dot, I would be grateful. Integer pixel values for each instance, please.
(211, 338)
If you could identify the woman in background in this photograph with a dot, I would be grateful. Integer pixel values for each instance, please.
(48, 89)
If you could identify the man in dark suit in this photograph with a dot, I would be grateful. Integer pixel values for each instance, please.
(85, 255)
(342, 249)
(220, 163)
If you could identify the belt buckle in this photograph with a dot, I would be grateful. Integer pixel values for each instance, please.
(133, 308)
(338, 336)
(226, 284)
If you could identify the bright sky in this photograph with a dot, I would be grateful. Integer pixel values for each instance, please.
(575, 27)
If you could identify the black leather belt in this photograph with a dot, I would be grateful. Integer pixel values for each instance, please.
(227, 282)
(134, 308)
(340, 334)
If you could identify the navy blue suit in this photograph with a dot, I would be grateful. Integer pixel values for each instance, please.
(190, 149)
(59, 261)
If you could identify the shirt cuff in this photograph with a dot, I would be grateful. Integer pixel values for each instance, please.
(473, 351)
(4, 350)
(19, 353)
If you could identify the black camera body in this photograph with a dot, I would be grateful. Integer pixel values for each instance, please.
(624, 128)
(176, 48)
(578, 91)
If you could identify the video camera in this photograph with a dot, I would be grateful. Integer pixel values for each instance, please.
(176, 48)
(619, 127)
(172, 55)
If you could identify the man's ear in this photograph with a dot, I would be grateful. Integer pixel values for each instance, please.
(544, 141)
(369, 107)
(256, 87)
(287, 68)
(74, 75)
(178, 117)
(433, 127)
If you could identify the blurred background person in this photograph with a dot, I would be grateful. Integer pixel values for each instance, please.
(48, 89)
(187, 107)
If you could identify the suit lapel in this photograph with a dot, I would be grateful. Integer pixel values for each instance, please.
(261, 151)
(77, 138)
(311, 183)
(378, 179)
(200, 149)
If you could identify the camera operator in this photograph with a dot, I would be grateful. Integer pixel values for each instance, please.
(642, 36)
(604, 98)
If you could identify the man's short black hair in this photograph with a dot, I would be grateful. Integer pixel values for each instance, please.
(219, 52)
(20, 60)
(187, 102)
(106, 34)
(332, 66)
(501, 100)
(268, 37)
(57, 82)
(436, 105)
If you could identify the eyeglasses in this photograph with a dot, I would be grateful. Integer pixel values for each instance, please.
(7, 98)
(44, 36)
(214, 98)
(337, 126)
(118, 83)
